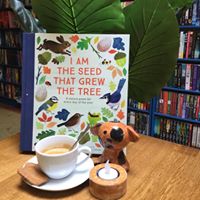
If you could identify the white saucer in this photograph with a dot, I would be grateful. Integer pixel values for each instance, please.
(78, 176)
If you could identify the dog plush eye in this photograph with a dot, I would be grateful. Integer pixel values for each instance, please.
(104, 132)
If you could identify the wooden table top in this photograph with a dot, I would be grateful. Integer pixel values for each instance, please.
(159, 170)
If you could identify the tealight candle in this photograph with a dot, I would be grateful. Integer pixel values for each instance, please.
(108, 173)
(108, 181)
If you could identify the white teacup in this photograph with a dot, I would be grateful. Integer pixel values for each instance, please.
(53, 157)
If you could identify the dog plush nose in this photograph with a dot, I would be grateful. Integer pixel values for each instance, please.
(117, 134)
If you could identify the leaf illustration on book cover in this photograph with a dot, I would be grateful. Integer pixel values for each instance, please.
(112, 51)
(93, 118)
(62, 131)
(46, 70)
(84, 43)
(74, 38)
(72, 134)
(85, 138)
(44, 58)
(42, 80)
(106, 112)
(118, 44)
(45, 134)
(105, 119)
(82, 125)
(38, 40)
(96, 39)
(120, 115)
(58, 59)
(62, 115)
(114, 73)
(44, 116)
(94, 138)
(51, 124)
(97, 145)
(112, 86)
(123, 104)
(111, 67)
(119, 72)
(39, 125)
(124, 71)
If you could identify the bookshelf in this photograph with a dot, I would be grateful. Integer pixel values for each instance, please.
(174, 115)
(10, 55)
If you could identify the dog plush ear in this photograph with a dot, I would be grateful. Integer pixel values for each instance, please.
(133, 135)
(95, 129)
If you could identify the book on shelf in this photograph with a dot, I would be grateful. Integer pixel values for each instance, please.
(67, 76)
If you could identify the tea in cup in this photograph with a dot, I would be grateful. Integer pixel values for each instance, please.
(55, 156)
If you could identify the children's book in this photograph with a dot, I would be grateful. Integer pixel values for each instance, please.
(70, 83)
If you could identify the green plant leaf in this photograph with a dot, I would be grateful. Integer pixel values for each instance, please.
(154, 46)
(80, 16)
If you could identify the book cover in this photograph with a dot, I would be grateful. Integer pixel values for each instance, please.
(72, 82)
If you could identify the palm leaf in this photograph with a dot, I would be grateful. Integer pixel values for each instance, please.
(80, 16)
(154, 46)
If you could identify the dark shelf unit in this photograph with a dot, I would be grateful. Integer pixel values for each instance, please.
(10, 60)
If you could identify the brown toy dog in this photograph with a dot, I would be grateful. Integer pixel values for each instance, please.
(114, 136)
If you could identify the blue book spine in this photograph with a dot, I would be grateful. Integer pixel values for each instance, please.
(194, 81)
(27, 92)
(194, 13)
(198, 13)
(198, 78)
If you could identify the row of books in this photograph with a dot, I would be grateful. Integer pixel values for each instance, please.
(11, 57)
(186, 76)
(179, 104)
(189, 46)
(177, 131)
(4, 4)
(139, 121)
(10, 39)
(191, 15)
(9, 90)
(139, 105)
(11, 75)
(8, 20)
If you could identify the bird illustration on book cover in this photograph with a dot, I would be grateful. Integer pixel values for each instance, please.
(80, 81)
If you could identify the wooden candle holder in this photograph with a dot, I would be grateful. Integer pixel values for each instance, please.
(108, 189)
